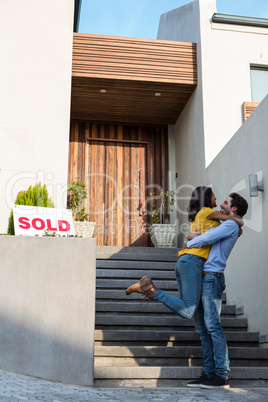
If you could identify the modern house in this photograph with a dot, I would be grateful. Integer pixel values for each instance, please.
(132, 116)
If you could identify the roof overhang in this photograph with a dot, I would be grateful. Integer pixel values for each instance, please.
(129, 80)
(240, 20)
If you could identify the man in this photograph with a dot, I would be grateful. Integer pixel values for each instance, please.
(207, 316)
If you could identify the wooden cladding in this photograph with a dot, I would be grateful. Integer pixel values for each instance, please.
(127, 102)
(113, 57)
(131, 71)
(248, 109)
(121, 165)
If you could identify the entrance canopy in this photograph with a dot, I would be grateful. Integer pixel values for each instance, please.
(129, 80)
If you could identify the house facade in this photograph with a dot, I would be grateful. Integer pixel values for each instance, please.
(132, 116)
(125, 93)
(36, 67)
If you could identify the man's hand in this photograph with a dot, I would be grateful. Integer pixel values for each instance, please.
(240, 231)
(194, 233)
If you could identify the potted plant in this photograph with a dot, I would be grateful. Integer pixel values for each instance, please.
(161, 231)
(77, 195)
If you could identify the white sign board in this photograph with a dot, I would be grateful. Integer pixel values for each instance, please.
(32, 221)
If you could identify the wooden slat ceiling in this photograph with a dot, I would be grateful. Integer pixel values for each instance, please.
(131, 71)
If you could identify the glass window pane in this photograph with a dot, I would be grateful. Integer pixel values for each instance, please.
(259, 83)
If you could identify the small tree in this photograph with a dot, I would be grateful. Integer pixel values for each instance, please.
(77, 194)
(36, 196)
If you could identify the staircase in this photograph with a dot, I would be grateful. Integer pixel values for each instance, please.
(145, 344)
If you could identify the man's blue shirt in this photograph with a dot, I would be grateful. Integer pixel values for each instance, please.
(222, 240)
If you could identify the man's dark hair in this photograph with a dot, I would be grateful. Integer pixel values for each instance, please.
(240, 203)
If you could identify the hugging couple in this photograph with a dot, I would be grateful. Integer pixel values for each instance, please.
(200, 276)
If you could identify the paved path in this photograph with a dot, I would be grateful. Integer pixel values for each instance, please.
(20, 388)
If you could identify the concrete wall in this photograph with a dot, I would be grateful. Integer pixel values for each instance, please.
(35, 82)
(47, 307)
(246, 272)
(205, 134)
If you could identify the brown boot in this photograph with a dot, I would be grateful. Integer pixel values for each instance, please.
(144, 286)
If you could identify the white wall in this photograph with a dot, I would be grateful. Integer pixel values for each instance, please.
(227, 52)
(205, 134)
(35, 82)
(246, 272)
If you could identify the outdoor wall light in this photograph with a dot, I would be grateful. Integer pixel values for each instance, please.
(157, 94)
(103, 91)
(255, 185)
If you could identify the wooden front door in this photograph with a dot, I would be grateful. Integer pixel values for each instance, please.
(116, 179)
(121, 165)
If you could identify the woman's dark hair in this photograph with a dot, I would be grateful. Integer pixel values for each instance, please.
(201, 197)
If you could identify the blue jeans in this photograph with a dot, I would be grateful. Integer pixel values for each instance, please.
(189, 277)
(208, 326)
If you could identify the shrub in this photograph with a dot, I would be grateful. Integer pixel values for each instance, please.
(36, 196)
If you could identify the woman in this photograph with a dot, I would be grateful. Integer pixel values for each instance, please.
(189, 266)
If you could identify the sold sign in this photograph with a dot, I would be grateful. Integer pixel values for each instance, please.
(31, 221)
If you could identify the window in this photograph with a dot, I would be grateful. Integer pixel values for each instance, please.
(259, 82)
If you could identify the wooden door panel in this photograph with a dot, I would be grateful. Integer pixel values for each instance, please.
(115, 173)
(121, 166)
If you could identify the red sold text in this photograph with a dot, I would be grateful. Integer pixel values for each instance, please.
(43, 224)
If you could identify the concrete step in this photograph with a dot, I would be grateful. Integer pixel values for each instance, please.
(172, 356)
(167, 338)
(120, 294)
(154, 376)
(137, 253)
(116, 294)
(103, 283)
(249, 353)
(153, 307)
(145, 265)
(164, 362)
(153, 322)
(134, 274)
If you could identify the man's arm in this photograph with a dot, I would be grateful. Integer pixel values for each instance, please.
(226, 229)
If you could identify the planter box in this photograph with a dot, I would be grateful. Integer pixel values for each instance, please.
(162, 235)
(84, 229)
